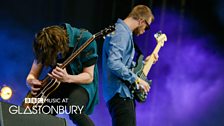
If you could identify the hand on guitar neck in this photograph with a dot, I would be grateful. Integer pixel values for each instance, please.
(153, 56)
(142, 69)
(142, 83)
(59, 74)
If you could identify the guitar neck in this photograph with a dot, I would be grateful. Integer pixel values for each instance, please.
(77, 52)
(81, 48)
(71, 57)
(149, 62)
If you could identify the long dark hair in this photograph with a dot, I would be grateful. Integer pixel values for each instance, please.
(48, 43)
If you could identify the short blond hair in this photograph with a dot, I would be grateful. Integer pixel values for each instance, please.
(141, 12)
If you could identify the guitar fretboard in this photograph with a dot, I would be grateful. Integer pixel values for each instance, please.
(148, 64)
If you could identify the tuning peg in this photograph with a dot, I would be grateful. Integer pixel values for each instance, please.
(157, 34)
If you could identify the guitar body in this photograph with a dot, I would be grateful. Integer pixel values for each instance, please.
(39, 99)
(142, 69)
(49, 85)
(138, 93)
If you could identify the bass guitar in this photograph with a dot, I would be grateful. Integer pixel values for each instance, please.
(142, 68)
(49, 84)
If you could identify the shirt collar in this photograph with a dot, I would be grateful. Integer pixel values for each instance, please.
(71, 31)
(125, 25)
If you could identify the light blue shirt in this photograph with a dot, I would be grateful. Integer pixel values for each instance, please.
(117, 58)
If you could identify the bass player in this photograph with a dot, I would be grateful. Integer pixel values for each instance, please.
(118, 54)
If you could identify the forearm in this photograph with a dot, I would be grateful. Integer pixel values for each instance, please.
(120, 70)
(35, 71)
(82, 78)
(30, 77)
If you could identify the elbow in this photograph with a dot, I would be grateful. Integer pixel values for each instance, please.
(30, 77)
(116, 69)
(113, 65)
(90, 78)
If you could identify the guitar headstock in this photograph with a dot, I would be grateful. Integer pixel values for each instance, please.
(105, 31)
(160, 38)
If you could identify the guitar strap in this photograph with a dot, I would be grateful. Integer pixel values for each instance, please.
(75, 47)
(78, 39)
(137, 49)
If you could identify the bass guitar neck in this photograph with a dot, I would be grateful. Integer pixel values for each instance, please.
(142, 70)
(160, 38)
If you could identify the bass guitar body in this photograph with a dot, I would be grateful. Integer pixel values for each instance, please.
(142, 68)
(139, 93)
(39, 99)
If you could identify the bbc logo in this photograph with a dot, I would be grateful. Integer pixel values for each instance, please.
(34, 100)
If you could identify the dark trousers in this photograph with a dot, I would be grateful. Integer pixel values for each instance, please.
(77, 96)
(122, 111)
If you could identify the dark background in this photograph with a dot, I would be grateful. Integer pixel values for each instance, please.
(97, 14)
(187, 81)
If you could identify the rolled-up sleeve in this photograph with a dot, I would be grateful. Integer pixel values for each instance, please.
(89, 54)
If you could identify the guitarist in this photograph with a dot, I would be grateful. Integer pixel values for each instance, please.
(79, 81)
(118, 54)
